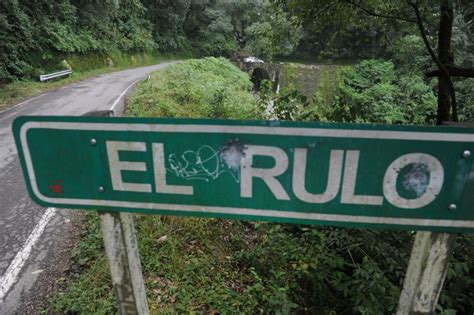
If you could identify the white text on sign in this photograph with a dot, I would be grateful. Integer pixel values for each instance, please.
(342, 175)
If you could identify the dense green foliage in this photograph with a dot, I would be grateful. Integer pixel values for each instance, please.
(354, 30)
(36, 36)
(365, 29)
(463, 49)
(212, 265)
(372, 91)
(208, 87)
(39, 34)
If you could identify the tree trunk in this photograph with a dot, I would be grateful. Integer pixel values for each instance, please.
(445, 56)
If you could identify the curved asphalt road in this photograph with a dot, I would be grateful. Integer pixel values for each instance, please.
(33, 238)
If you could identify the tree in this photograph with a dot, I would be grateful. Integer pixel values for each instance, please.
(255, 27)
(417, 12)
(168, 17)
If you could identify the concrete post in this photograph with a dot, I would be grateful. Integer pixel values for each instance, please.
(121, 246)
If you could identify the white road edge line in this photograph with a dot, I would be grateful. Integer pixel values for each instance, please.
(123, 93)
(24, 102)
(11, 275)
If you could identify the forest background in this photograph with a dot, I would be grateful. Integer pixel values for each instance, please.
(38, 35)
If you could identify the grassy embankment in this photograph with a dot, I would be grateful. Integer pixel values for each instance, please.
(83, 67)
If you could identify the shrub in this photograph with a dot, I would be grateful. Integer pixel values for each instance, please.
(209, 87)
(374, 92)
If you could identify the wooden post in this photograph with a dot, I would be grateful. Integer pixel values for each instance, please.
(121, 247)
(426, 272)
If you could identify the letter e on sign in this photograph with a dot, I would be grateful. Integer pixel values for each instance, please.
(116, 166)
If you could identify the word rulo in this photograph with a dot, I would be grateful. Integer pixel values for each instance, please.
(334, 174)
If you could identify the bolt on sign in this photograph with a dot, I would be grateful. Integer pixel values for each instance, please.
(405, 177)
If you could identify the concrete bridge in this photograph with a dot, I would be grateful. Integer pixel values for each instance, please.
(259, 71)
(304, 78)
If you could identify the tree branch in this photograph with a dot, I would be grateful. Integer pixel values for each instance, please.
(453, 71)
(373, 13)
(441, 67)
(419, 22)
(324, 9)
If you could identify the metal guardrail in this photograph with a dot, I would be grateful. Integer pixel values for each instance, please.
(53, 75)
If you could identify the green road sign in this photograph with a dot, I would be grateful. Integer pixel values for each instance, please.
(419, 178)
